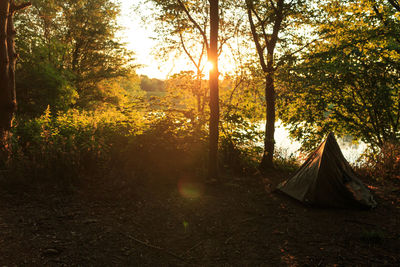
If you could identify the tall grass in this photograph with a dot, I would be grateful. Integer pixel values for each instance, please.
(71, 144)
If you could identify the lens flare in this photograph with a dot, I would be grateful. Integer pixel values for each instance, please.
(185, 226)
(190, 189)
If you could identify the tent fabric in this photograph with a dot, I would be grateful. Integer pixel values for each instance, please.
(327, 180)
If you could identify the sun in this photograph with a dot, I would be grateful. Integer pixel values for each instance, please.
(209, 66)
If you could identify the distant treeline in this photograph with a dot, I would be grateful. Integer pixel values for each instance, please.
(151, 84)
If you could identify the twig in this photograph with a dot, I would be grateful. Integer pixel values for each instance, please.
(190, 249)
(250, 219)
(22, 6)
(156, 248)
(228, 239)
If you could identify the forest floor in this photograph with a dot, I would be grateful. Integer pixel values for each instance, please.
(178, 222)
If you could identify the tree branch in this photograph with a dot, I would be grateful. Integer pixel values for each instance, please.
(201, 57)
(196, 25)
(381, 18)
(15, 8)
(298, 50)
(277, 26)
(262, 23)
(273, 5)
(395, 4)
(186, 51)
(260, 51)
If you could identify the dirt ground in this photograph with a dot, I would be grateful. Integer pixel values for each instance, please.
(178, 222)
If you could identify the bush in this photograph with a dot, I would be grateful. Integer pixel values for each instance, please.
(68, 144)
(383, 163)
(121, 142)
(240, 145)
(286, 161)
(78, 144)
(170, 144)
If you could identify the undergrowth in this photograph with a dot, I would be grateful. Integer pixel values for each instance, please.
(382, 163)
(67, 146)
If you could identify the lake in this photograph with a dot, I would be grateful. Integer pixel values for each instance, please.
(289, 146)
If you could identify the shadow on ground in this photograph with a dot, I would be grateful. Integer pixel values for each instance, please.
(180, 221)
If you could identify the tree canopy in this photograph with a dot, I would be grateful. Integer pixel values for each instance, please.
(67, 48)
(348, 81)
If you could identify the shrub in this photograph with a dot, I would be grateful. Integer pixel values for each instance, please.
(241, 144)
(286, 161)
(169, 145)
(383, 163)
(68, 144)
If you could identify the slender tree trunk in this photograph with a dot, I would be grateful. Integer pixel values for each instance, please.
(6, 109)
(269, 140)
(8, 59)
(269, 70)
(12, 57)
(214, 92)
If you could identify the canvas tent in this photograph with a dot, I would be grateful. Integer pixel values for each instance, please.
(327, 180)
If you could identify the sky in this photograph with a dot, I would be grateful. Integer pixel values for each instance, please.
(138, 39)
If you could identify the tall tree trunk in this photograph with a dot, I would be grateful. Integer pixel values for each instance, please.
(269, 140)
(268, 67)
(214, 92)
(8, 59)
(12, 57)
(6, 109)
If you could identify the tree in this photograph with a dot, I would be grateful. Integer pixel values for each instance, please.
(395, 4)
(269, 24)
(178, 36)
(268, 68)
(182, 92)
(94, 53)
(8, 59)
(214, 92)
(195, 17)
(348, 81)
(68, 47)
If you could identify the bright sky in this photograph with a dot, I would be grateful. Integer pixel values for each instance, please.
(138, 38)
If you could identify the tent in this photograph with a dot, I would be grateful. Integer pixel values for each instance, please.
(327, 180)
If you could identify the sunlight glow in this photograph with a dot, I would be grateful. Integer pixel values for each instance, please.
(209, 66)
(140, 39)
